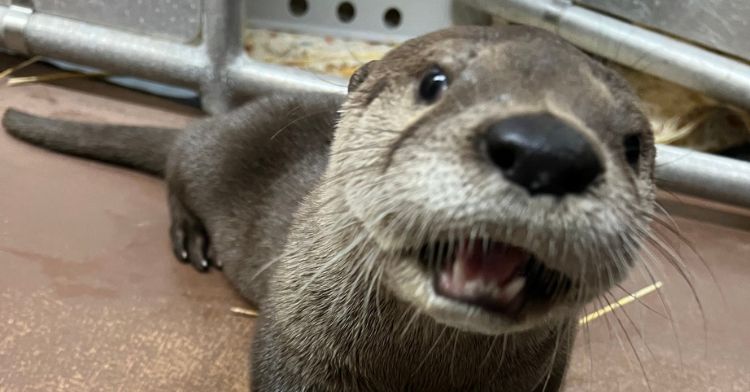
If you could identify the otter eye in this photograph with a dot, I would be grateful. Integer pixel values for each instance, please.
(432, 85)
(632, 144)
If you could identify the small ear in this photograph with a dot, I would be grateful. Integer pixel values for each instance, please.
(360, 75)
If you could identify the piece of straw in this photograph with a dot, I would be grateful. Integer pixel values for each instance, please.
(250, 313)
(22, 65)
(620, 303)
(54, 76)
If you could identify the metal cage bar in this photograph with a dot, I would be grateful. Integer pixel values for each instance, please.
(216, 66)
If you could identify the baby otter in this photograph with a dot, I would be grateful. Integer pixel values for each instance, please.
(438, 229)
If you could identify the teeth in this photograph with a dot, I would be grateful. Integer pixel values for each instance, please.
(456, 281)
(474, 288)
(445, 280)
(480, 287)
(459, 274)
(514, 288)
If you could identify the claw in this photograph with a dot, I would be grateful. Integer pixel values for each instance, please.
(189, 238)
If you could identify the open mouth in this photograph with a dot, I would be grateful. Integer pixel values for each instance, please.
(497, 277)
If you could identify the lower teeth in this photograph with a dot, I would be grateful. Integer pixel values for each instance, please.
(514, 288)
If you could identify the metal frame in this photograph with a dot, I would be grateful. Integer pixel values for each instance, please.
(217, 66)
(220, 70)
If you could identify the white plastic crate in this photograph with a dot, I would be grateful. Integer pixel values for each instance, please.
(382, 20)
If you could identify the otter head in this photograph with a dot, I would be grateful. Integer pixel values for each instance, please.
(504, 176)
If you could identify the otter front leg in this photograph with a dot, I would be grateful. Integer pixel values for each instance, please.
(190, 241)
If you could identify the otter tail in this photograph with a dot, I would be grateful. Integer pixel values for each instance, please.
(140, 148)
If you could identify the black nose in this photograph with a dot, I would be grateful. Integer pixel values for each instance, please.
(543, 154)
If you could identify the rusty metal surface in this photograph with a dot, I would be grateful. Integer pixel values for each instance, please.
(90, 297)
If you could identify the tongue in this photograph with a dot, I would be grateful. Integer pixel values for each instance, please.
(485, 273)
(498, 264)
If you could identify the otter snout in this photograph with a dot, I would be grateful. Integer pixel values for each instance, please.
(543, 154)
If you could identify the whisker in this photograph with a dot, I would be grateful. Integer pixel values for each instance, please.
(553, 359)
(296, 120)
(416, 314)
(640, 301)
(640, 334)
(634, 350)
(429, 352)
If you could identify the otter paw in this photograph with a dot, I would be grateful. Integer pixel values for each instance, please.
(190, 241)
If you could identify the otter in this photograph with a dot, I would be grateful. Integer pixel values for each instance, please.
(440, 228)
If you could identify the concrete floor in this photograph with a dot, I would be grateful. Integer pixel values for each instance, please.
(91, 298)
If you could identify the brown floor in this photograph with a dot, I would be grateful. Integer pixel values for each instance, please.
(91, 298)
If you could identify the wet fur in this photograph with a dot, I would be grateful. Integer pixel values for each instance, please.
(309, 219)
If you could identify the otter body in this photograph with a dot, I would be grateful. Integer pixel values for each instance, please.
(388, 239)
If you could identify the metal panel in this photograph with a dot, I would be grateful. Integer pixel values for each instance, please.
(633, 46)
(176, 20)
(719, 24)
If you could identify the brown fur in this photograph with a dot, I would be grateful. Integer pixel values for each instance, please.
(315, 232)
